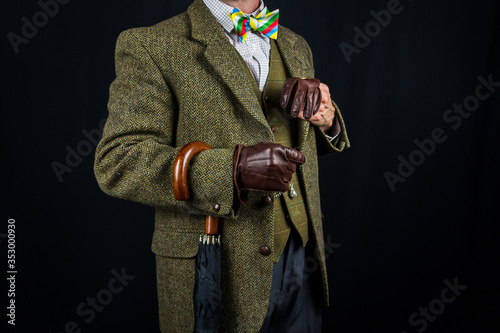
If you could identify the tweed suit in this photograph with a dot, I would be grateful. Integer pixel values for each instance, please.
(181, 81)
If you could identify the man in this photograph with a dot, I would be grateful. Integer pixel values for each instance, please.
(194, 77)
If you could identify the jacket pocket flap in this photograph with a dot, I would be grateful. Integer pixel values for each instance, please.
(175, 244)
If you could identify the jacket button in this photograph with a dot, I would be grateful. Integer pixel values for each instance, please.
(266, 98)
(273, 128)
(216, 207)
(264, 250)
(267, 200)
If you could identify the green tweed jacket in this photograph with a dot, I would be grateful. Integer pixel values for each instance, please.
(181, 81)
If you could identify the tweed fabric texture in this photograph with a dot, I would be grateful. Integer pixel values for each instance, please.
(287, 210)
(181, 81)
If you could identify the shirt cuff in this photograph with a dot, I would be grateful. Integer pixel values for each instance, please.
(334, 132)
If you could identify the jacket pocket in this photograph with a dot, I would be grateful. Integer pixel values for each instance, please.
(175, 243)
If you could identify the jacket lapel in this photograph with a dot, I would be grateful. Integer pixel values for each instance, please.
(224, 58)
(297, 67)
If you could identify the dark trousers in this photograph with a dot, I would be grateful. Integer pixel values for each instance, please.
(295, 305)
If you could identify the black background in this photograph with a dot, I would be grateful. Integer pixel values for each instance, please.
(393, 249)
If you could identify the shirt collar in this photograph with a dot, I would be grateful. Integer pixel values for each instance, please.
(222, 10)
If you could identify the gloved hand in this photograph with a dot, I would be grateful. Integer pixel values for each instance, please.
(265, 166)
(301, 94)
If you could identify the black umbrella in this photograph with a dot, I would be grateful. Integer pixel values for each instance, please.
(207, 296)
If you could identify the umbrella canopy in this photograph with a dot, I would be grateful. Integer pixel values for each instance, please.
(207, 294)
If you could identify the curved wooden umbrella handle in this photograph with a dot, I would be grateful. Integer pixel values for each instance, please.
(181, 190)
(181, 163)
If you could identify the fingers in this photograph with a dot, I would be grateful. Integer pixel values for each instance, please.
(291, 168)
(317, 98)
(299, 99)
(326, 97)
(295, 156)
(287, 91)
(325, 92)
(310, 104)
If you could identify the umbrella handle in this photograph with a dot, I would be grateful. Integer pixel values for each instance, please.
(181, 190)
(181, 163)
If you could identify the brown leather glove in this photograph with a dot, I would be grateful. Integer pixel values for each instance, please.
(265, 166)
(301, 94)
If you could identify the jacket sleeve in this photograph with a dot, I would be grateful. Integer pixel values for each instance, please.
(341, 142)
(135, 157)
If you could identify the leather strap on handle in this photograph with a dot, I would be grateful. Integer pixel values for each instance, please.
(180, 182)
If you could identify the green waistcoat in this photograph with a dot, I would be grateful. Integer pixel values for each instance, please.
(289, 208)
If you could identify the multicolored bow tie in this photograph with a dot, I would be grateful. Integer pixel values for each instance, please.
(266, 22)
